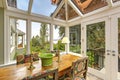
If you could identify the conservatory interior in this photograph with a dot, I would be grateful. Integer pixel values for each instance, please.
(90, 28)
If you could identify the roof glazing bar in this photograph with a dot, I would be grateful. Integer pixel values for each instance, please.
(75, 8)
(58, 8)
(30, 6)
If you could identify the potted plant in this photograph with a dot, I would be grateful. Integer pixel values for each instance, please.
(46, 58)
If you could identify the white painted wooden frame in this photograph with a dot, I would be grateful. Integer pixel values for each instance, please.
(114, 47)
(84, 43)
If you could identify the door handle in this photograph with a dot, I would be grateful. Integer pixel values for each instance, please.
(108, 52)
(113, 53)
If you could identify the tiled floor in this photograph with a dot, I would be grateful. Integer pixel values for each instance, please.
(92, 77)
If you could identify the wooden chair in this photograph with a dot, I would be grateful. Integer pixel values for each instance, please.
(78, 70)
(51, 74)
(20, 59)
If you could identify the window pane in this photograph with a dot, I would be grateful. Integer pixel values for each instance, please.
(59, 33)
(18, 38)
(43, 7)
(40, 37)
(96, 45)
(20, 4)
(75, 38)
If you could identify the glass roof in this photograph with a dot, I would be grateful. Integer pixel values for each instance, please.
(61, 13)
(43, 7)
(47, 8)
(71, 13)
(20, 4)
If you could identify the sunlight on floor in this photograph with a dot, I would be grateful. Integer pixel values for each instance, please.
(92, 77)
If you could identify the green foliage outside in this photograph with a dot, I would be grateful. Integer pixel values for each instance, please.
(90, 55)
(40, 43)
(96, 35)
(95, 41)
(75, 49)
(75, 37)
(59, 46)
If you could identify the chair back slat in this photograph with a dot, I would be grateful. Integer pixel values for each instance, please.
(44, 75)
(25, 58)
(79, 68)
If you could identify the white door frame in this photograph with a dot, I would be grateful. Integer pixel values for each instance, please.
(111, 46)
(100, 74)
(114, 47)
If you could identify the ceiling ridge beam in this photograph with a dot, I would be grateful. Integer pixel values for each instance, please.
(75, 8)
(30, 6)
(58, 8)
(66, 10)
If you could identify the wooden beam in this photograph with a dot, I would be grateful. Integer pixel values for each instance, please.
(30, 6)
(58, 8)
(83, 5)
(75, 8)
(100, 13)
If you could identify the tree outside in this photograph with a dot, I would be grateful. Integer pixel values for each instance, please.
(40, 43)
(96, 45)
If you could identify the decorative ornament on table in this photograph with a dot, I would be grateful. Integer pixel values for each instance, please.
(31, 67)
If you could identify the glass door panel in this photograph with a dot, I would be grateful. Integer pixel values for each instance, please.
(96, 45)
(58, 34)
(75, 38)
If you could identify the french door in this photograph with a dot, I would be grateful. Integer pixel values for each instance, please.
(102, 46)
(93, 39)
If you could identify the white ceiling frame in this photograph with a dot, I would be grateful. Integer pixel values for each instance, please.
(5, 4)
(101, 14)
(30, 6)
(110, 3)
(16, 10)
(75, 8)
(58, 8)
(15, 13)
(76, 20)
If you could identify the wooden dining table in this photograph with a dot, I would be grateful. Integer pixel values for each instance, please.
(18, 72)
